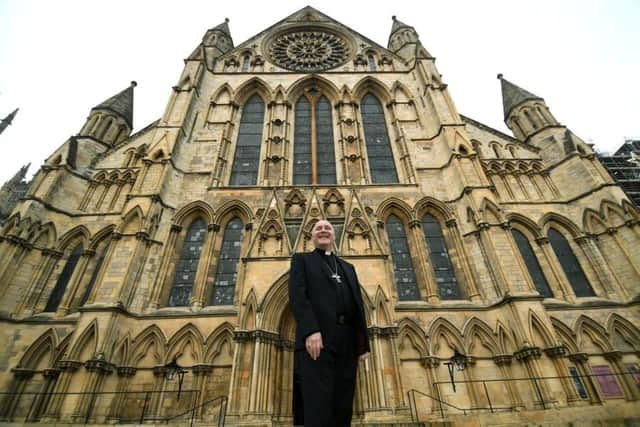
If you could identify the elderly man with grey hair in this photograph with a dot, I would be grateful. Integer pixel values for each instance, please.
(331, 330)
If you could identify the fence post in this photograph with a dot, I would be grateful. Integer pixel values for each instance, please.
(144, 407)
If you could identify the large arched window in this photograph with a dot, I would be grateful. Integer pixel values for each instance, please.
(406, 283)
(570, 265)
(63, 280)
(187, 266)
(247, 157)
(227, 271)
(314, 160)
(439, 256)
(381, 164)
(533, 266)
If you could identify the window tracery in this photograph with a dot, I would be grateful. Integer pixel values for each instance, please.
(63, 280)
(227, 269)
(309, 51)
(440, 260)
(381, 163)
(406, 283)
(247, 156)
(532, 264)
(187, 266)
(570, 264)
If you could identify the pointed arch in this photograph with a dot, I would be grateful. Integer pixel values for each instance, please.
(132, 221)
(506, 340)
(612, 213)
(151, 338)
(101, 235)
(373, 85)
(566, 335)
(524, 224)
(45, 236)
(216, 341)
(394, 205)
(42, 349)
(88, 337)
(432, 205)
(326, 86)
(401, 92)
(248, 319)
(441, 327)
(189, 333)
(11, 223)
(79, 233)
(536, 324)
(490, 212)
(253, 86)
(223, 95)
(120, 354)
(273, 303)
(233, 208)
(198, 207)
(585, 325)
(383, 314)
(409, 329)
(618, 325)
(592, 223)
(475, 327)
(551, 218)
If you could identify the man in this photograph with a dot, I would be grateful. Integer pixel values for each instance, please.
(331, 330)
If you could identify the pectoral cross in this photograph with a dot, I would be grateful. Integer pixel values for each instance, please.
(336, 277)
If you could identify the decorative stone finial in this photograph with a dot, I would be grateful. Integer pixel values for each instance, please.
(134, 83)
(226, 19)
(394, 17)
(499, 76)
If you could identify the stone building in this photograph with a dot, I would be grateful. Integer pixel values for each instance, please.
(133, 249)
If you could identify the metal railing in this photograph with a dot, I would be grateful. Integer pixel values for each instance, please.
(535, 390)
(115, 407)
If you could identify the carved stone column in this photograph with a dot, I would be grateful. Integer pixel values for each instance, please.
(156, 291)
(424, 263)
(605, 276)
(125, 373)
(52, 412)
(463, 260)
(504, 364)
(74, 282)
(10, 401)
(528, 356)
(558, 286)
(556, 354)
(198, 297)
(586, 375)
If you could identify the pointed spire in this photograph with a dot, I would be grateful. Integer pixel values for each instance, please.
(224, 27)
(7, 120)
(513, 95)
(121, 104)
(397, 25)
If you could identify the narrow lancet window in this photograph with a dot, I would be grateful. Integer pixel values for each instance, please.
(372, 63)
(406, 283)
(247, 157)
(314, 159)
(94, 277)
(532, 264)
(440, 261)
(570, 264)
(381, 164)
(187, 266)
(63, 279)
(227, 271)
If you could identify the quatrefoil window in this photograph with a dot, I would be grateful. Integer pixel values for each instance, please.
(309, 51)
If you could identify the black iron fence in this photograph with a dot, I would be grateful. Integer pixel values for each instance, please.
(500, 395)
(113, 407)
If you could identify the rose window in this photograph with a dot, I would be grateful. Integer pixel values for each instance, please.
(309, 51)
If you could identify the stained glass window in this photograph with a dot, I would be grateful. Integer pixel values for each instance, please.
(63, 280)
(533, 266)
(405, 276)
(187, 267)
(245, 64)
(325, 153)
(302, 143)
(570, 265)
(440, 261)
(372, 63)
(227, 270)
(313, 112)
(247, 157)
(381, 163)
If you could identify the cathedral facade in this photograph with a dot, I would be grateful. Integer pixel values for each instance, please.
(173, 243)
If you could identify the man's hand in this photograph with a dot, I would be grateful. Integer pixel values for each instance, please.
(364, 356)
(314, 345)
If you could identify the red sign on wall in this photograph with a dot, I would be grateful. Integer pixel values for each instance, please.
(608, 383)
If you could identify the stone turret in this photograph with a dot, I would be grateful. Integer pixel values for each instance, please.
(111, 121)
(12, 191)
(405, 41)
(525, 114)
(216, 42)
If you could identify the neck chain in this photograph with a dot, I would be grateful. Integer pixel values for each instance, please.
(335, 276)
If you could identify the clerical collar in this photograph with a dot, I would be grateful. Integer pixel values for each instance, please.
(323, 252)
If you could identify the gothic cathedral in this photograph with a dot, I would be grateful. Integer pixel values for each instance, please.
(143, 275)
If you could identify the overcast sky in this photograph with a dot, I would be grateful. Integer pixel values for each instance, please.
(60, 58)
